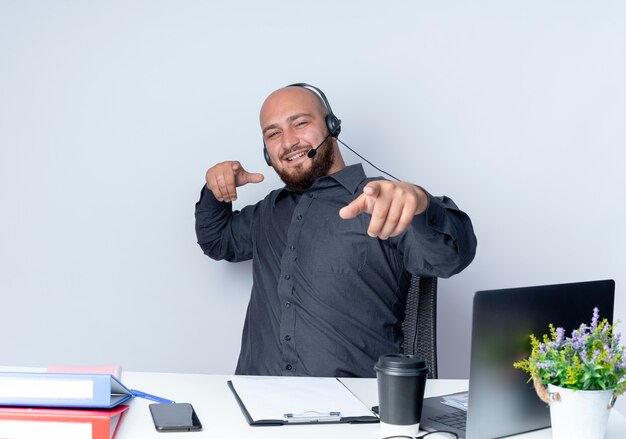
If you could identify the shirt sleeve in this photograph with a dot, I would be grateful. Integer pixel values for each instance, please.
(223, 234)
(440, 241)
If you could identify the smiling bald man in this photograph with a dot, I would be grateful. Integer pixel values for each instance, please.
(332, 251)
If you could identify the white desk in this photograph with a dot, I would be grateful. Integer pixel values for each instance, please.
(221, 417)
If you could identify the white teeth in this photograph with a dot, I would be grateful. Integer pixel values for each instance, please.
(297, 156)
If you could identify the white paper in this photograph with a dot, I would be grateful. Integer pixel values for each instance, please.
(456, 400)
(271, 398)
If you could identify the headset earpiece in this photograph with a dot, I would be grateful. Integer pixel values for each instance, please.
(333, 124)
(266, 155)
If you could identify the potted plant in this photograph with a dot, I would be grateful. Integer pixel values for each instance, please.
(578, 376)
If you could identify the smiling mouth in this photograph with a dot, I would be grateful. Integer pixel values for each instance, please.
(296, 156)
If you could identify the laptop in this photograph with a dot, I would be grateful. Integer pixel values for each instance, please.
(501, 401)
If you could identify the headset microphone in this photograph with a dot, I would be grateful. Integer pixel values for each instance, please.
(313, 151)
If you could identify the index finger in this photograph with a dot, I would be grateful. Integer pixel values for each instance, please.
(372, 188)
(357, 206)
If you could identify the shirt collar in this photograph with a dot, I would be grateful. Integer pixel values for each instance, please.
(349, 177)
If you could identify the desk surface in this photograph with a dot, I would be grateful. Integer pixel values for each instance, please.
(221, 416)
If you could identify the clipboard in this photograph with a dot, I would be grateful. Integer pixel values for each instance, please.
(273, 401)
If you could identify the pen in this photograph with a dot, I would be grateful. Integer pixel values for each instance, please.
(154, 398)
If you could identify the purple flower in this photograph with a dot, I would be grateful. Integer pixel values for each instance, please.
(605, 329)
(577, 341)
(594, 319)
(616, 340)
(560, 336)
(545, 364)
(595, 356)
(589, 358)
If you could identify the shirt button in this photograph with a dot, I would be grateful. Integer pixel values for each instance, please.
(299, 217)
(286, 277)
(310, 195)
(288, 367)
(433, 221)
(287, 304)
(287, 337)
(292, 247)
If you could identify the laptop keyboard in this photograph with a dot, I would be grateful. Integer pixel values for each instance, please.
(455, 420)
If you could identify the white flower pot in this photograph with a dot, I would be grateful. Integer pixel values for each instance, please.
(580, 413)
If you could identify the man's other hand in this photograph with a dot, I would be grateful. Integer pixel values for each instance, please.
(391, 204)
(223, 179)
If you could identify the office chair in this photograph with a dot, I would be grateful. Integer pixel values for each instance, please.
(420, 321)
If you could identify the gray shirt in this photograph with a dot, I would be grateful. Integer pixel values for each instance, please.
(327, 299)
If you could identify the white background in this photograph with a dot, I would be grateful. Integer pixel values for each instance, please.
(111, 112)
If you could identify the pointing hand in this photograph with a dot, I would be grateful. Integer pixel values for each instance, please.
(223, 179)
(391, 204)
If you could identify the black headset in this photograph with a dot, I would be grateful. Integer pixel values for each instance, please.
(333, 123)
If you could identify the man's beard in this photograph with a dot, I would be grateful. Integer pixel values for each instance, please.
(322, 162)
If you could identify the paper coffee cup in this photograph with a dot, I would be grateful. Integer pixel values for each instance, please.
(401, 382)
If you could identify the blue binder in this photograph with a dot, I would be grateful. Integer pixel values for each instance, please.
(33, 389)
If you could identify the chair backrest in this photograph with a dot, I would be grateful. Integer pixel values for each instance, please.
(420, 321)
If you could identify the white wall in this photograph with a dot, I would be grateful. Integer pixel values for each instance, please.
(110, 113)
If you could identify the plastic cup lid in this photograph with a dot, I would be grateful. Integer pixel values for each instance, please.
(401, 364)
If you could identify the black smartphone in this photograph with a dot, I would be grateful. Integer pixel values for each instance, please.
(175, 417)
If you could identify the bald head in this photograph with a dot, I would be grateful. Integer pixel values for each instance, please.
(290, 100)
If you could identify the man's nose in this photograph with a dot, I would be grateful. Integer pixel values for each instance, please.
(290, 138)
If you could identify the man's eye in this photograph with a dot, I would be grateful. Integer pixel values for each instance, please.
(301, 123)
(272, 135)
